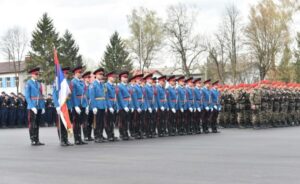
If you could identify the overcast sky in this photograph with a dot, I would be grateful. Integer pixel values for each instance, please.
(93, 21)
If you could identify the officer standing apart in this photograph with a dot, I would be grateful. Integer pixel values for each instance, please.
(35, 106)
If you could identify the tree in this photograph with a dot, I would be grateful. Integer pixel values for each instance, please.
(297, 56)
(285, 70)
(146, 36)
(116, 58)
(44, 39)
(69, 51)
(183, 42)
(268, 31)
(13, 45)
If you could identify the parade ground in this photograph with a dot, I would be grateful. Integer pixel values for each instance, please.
(233, 156)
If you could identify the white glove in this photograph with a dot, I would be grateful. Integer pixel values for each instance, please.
(95, 110)
(191, 109)
(132, 109)
(211, 109)
(126, 109)
(111, 110)
(207, 108)
(87, 110)
(215, 107)
(199, 109)
(150, 110)
(77, 109)
(58, 110)
(173, 110)
(220, 108)
(181, 109)
(162, 108)
(34, 110)
(43, 111)
(139, 110)
(156, 109)
(168, 109)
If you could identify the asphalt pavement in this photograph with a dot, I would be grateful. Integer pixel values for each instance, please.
(234, 156)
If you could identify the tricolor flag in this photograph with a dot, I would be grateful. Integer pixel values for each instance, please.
(63, 93)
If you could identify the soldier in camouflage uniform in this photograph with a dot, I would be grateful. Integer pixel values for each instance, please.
(256, 100)
(240, 106)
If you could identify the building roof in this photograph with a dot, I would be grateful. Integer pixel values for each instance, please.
(8, 67)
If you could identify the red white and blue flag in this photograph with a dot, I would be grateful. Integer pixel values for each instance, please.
(63, 92)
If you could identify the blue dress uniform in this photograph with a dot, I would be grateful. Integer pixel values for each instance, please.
(181, 100)
(162, 105)
(151, 106)
(112, 106)
(172, 104)
(139, 105)
(80, 102)
(198, 106)
(124, 103)
(132, 112)
(21, 111)
(35, 107)
(215, 107)
(206, 105)
(98, 101)
(190, 127)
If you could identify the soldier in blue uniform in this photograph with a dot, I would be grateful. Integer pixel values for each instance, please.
(151, 107)
(132, 112)
(172, 104)
(189, 112)
(4, 111)
(79, 104)
(35, 106)
(21, 110)
(138, 105)
(124, 102)
(215, 106)
(61, 129)
(181, 100)
(112, 105)
(98, 103)
(162, 105)
(197, 105)
(206, 105)
(87, 125)
(12, 110)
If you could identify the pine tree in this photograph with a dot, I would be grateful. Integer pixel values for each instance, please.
(297, 56)
(116, 57)
(69, 51)
(44, 39)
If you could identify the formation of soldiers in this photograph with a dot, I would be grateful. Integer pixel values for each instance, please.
(260, 105)
(140, 107)
(12, 110)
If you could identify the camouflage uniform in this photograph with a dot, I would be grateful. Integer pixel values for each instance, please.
(256, 101)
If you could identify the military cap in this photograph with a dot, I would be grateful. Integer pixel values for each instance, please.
(215, 83)
(197, 80)
(86, 74)
(180, 78)
(66, 69)
(99, 70)
(150, 75)
(207, 81)
(123, 74)
(162, 77)
(135, 77)
(77, 68)
(34, 70)
(110, 74)
(189, 79)
(172, 77)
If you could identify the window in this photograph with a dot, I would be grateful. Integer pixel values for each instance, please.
(8, 84)
(16, 82)
(1, 83)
